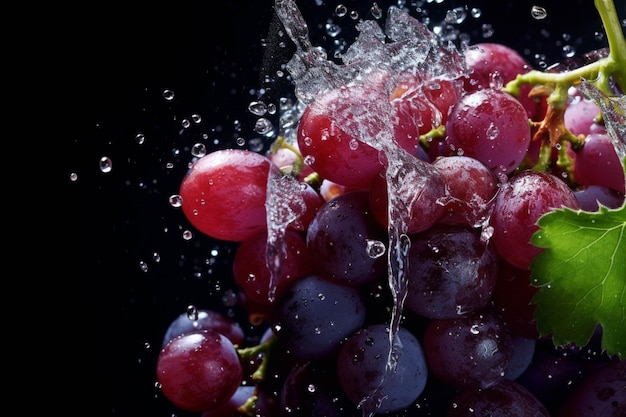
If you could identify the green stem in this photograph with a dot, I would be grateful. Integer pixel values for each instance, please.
(615, 37)
(597, 72)
(265, 349)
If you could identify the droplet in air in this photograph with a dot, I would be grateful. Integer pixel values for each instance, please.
(140, 138)
(168, 95)
(198, 150)
(106, 165)
(538, 12)
(176, 200)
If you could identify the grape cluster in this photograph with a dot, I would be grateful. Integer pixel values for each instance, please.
(460, 182)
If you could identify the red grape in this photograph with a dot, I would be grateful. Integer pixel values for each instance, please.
(200, 370)
(492, 65)
(223, 194)
(490, 126)
(518, 206)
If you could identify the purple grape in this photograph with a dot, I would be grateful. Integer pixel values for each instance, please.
(472, 351)
(603, 393)
(505, 399)
(451, 272)
(361, 367)
(338, 238)
(314, 315)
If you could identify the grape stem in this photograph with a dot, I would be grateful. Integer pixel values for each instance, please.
(263, 350)
(555, 86)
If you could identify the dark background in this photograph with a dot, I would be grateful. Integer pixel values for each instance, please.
(211, 55)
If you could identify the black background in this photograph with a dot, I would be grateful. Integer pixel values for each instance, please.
(211, 55)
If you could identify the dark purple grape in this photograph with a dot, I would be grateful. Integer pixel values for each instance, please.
(338, 238)
(471, 351)
(523, 352)
(505, 399)
(591, 196)
(312, 389)
(603, 393)
(361, 366)
(551, 375)
(451, 272)
(314, 315)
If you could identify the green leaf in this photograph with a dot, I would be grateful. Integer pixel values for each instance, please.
(581, 275)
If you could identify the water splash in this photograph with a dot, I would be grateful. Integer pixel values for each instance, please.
(406, 47)
(283, 204)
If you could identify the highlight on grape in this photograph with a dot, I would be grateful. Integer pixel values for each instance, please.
(439, 232)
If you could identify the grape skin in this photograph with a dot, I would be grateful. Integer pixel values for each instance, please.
(472, 351)
(471, 187)
(199, 370)
(314, 315)
(361, 366)
(252, 275)
(206, 319)
(603, 393)
(452, 272)
(490, 126)
(337, 239)
(504, 399)
(519, 204)
(223, 194)
(493, 64)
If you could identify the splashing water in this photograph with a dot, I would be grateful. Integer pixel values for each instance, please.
(405, 47)
(283, 204)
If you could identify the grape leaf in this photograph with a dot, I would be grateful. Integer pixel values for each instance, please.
(581, 275)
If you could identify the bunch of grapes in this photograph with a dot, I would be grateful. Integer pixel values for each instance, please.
(423, 213)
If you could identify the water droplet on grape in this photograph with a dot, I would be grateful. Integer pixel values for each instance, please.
(375, 248)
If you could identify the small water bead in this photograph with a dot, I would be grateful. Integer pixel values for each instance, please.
(264, 127)
(156, 257)
(568, 51)
(456, 15)
(192, 312)
(487, 30)
(185, 123)
(187, 234)
(196, 118)
(140, 138)
(475, 12)
(376, 11)
(354, 15)
(168, 95)
(106, 165)
(492, 131)
(538, 12)
(198, 150)
(258, 108)
(143, 266)
(375, 248)
(341, 10)
(73, 177)
(332, 29)
(176, 200)
(255, 144)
